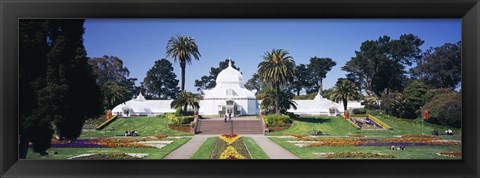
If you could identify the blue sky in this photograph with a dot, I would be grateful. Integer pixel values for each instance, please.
(140, 42)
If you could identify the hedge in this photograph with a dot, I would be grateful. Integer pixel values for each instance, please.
(274, 119)
(104, 124)
(179, 120)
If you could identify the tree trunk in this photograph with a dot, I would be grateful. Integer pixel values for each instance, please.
(182, 65)
(345, 104)
(23, 147)
(298, 92)
(185, 110)
(320, 86)
(277, 100)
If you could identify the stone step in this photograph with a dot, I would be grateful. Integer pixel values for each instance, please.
(221, 127)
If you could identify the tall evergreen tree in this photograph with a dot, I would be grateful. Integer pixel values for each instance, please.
(161, 82)
(255, 83)
(301, 79)
(58, 86)
(440, 67)
(113, 79)
(379, 66)
(318, 69)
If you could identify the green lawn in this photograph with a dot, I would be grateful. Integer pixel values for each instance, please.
(146, 126)
(205, 151)
(154, 153)
(411, 152)
(255, 150)
(337, 126)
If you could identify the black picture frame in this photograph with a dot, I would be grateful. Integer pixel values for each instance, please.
(11, 11)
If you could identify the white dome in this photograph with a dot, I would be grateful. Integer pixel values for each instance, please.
(229, 76)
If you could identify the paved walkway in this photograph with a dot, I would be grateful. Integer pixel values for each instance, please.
(273, 150)
(188, 149)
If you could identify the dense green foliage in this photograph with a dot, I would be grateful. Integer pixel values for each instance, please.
(183, 49)
(379, 66)
(209, 81)
(273, 120)
(344, 91)
(161, 82)
(269, 96)
(255, 83)
(277, 68)
(310, 96)
(184, 100)
(318, 69)
(446, 109)
(440, 67)
(55, 79)
(301, 79)
(113, 79)
(407, 104)
(178, 120)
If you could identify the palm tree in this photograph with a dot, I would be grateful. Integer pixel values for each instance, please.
(268, 101)
(181, 49)
(114, 94)
(277, 68)
(184, 100)
(344, 90)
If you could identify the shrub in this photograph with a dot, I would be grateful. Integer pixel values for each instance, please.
(272, 120)
(445, 109)
(375, 112)
(179, 120)
(292, 115)
(178, 112)
(359, 111)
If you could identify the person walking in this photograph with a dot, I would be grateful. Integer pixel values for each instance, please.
(229, 116)
(225, 116)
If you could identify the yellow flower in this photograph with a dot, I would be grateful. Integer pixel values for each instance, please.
(231, 152)
(229, 140)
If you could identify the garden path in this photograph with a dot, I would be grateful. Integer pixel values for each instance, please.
(273, 150)
(188, 149)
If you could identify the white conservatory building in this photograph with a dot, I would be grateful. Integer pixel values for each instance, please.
(229, 96)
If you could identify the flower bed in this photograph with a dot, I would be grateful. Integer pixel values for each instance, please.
(152, 142)
(416, 136)
(276, 128)
(107, 156)
(76, 144)
(230, 147)
(357, 155)
(183, 128)
(403, 141)
(450, 154)
(299, 135)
